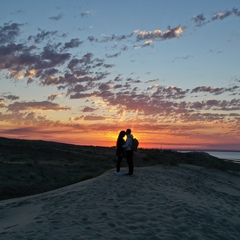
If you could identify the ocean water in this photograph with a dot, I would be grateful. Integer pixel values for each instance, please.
(234, 156)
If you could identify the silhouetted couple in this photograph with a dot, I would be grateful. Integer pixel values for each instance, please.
(124, 148)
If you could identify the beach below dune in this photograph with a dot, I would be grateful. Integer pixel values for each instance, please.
(158, 202)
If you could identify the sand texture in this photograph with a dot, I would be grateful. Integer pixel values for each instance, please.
(160, 202)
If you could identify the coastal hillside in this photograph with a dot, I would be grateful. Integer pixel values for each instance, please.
(29, 167)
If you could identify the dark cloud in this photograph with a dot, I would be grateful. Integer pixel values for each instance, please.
(202, 117)
(172, 33)
(57, 18)
(20, 130)
(43, 63)
(52, 97)
(88, 109)
(43, 35)
(112, 55)
(93, 118)
(5, 55)
(53, 58)
(163, 101)
(223, 105)
(11, 97)
(44, 105)
(104, 87)
(152, 80)
(199, 20)
(236, 12)
(118, 78)
(114, 37)
(214, 91)
(108, 65)
(42, 74)
(85, 14)
(84, 66)
(118, 86)
(232, 105)
(10, 49)
(221, 15)
(81, 95)
(74, 43)
(21, 118)
(171, 92)
(109, 38)
(19, 58)
(9, 32)
(79, 88)
(92, 39)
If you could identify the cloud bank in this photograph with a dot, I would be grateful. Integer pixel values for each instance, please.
(46, 60)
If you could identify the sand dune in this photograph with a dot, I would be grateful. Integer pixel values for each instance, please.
(161, 202)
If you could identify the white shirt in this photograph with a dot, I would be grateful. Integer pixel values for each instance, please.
(128, 145)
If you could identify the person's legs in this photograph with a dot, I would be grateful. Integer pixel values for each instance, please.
(119, 160)
(131, 163)
(129, 156)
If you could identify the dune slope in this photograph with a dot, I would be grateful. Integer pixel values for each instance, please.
(161, 202)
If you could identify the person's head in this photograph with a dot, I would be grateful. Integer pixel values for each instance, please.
(122, 134)
(128, 131)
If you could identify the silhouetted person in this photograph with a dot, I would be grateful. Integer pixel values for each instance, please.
(120, 151)
(129, 151)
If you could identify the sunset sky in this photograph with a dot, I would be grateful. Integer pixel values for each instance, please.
(81, 71)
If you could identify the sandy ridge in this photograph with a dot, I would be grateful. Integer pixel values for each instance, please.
(163, 202)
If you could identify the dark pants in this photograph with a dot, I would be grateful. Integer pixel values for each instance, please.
(129, 157)
(119, 160)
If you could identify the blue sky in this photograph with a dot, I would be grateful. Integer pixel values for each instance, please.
(81, 71)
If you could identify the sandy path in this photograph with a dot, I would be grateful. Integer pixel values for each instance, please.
(183, 202)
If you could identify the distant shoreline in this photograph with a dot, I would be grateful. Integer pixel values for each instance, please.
(204, 150)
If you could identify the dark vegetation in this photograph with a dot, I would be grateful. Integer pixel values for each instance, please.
(29, 167)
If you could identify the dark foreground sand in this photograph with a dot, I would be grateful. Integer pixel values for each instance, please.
(160, 202)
